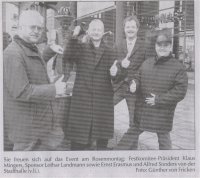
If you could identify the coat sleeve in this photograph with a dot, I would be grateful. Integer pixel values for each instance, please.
(177, 93)
(18, 85)
(48, 53)
(137, 78)
(70, 56)
(113, 57)
(120, 74)
(72, 50)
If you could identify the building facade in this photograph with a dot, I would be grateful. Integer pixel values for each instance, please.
(176, 15)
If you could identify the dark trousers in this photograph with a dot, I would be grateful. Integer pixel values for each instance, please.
(130, 139)
(130, 100)
(101, 144)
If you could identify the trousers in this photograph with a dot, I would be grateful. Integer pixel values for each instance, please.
(130, 100)
(52, 141)
(130, 139)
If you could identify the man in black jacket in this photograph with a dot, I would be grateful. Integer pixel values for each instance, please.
(160, 84)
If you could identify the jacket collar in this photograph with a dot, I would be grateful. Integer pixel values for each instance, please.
(162, 59)
(135, 48)
(124, 46)
(29, 49)
(137, 44)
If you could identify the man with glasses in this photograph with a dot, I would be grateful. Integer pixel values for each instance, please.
(160, 84)
(28, 94)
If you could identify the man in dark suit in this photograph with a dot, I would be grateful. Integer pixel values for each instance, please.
(131, 54)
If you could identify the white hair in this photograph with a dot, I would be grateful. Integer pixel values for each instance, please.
(27, 15)
(96, 21)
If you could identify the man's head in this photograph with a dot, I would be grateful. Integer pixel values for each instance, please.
(163, 44)
(30, 26)
(131, 26)
(96, 30)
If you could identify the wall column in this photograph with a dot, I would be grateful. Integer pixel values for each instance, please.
(119, 21)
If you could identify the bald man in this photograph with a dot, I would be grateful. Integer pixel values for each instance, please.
(91, 116)
(28, 94)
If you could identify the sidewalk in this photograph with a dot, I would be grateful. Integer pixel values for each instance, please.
(183, 133)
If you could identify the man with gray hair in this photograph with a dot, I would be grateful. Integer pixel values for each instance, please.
(28, 94)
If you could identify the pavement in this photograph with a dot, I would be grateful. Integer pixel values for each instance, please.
(182, 134)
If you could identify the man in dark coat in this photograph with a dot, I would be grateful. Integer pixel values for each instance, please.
(161, 84)
(28, 94)
(130, 56)
(91, 116)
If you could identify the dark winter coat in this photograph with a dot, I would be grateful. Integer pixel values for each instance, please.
(27, 94)
(167, 79)
(92, 110)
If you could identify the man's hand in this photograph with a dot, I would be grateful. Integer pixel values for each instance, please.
(60, 86)
(151, 100)
(77, 31)
(133, 87)
(56, 48)
(113, 69)
(125, 63)
(85, 39)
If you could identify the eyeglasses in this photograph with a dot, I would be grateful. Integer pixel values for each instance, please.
(34, 27)
(163, 44)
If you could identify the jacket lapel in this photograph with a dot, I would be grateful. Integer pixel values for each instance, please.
(124, 47)
(135, 48)
(98, 53)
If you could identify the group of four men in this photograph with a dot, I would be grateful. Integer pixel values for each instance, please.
(103, 74)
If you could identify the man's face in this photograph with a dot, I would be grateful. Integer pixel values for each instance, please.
(163, 49)
(130, 29)
(96, 31)
(31, 30)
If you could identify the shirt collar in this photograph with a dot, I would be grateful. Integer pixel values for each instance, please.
(131, 42)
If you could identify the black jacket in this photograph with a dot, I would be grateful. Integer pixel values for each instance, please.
(167, 79)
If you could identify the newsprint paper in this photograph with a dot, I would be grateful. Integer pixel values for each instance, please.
(86, 93)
